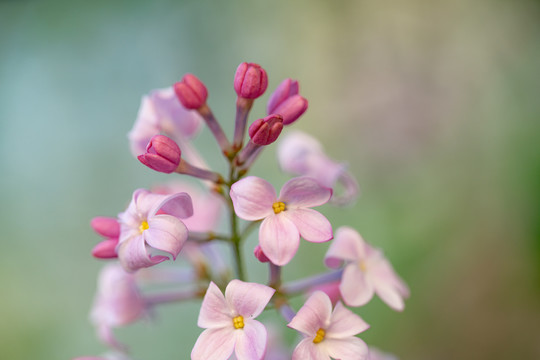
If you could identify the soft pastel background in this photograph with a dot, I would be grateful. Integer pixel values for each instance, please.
(434, 104)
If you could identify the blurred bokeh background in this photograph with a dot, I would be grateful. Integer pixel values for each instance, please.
(435, 105)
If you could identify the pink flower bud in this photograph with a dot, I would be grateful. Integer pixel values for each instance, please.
(250, 80)
(162, 154)
(106, 249)
(191, 92)
(266, 131)
(285, 90)
(291, 109)
(259, 254)
(106, 226)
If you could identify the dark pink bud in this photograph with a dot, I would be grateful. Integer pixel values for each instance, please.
(259, 254)
(266, 131)
(250, 80)
(106, 249)
(292, 108)
(106, 226)
(191, 92)
(162, 154)
(285, 90)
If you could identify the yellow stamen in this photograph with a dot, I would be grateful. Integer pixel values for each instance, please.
(278, 207)
(238, 322)
(319, 336)
(362, 265)
(144, 226)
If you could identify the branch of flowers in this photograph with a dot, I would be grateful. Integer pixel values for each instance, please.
(299, 286)
(171, 297)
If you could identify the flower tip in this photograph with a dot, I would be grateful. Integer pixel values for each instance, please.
(266, 131)
(259, 254)
(162, 154)
(250, 80)
(106, 226)
(191, 92)
(105, 249)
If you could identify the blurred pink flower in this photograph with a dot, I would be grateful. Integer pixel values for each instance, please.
(376, 354)
(152, 221)
(229, 322)
(328, 334)
(160, 112)
(302, 154)
(285, 218)
(367, 271)
(118, 302)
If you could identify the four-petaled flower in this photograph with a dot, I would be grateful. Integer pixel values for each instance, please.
(286, 217)
(367, 271)
(152, 221)
(229, 322)
(328, 334)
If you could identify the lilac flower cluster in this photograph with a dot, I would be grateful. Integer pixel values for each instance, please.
(178, 219)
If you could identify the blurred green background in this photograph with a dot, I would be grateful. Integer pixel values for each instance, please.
(434, 104)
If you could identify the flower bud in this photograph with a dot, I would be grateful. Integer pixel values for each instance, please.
(259, 254)
(106, 226)
(191, 92)
(266, 131)
(291, 109)
(106, 249)
(162, 154)
(285, 90)
(250, 80)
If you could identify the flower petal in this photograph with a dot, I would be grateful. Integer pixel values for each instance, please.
(302, 192)
(351, 348)
(313, 225)
(166, 233)
(215, 311)
(214, 344)
(315, 314)
(388, 285)
(307, 350)
(356, 289)
(248, 299)
(347, 245)
(279, 239)
(133, 256)
(345, 323)
(251, 341)
(253, 198)
(178, 205)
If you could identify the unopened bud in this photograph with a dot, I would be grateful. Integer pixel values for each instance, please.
(285, 90)
(191, 92)
(106, 226)
(105, 249)
(266, 131)
(292, 108)
(250, 80)
(259, 254)
(162, 154)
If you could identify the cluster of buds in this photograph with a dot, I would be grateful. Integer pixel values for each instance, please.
(180, 220)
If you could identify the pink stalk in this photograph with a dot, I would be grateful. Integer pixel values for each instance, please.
(215, 128)
(186, 168)
(302, 285)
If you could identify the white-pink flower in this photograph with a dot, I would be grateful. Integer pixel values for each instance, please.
(367, 271)
(152, 223)
(286, 217)
(328, 334)
(160, 112)
(118, 302)
(302, 154)
(229, 322)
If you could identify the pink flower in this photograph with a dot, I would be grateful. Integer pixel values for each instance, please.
(191, 92)
(109, 228)
(286, 102)
(152, 221)
(229, 322)
(328, 334)
(250, 80)
(118, 302)
(301, 154)
(367, 271)
(161, 113)
(286, 217)
(266, 131)
(162, 154)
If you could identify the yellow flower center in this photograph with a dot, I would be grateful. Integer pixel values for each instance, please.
(278, 207)
(238, 322)
(319, 336)
(362, 265)
(144, 226)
